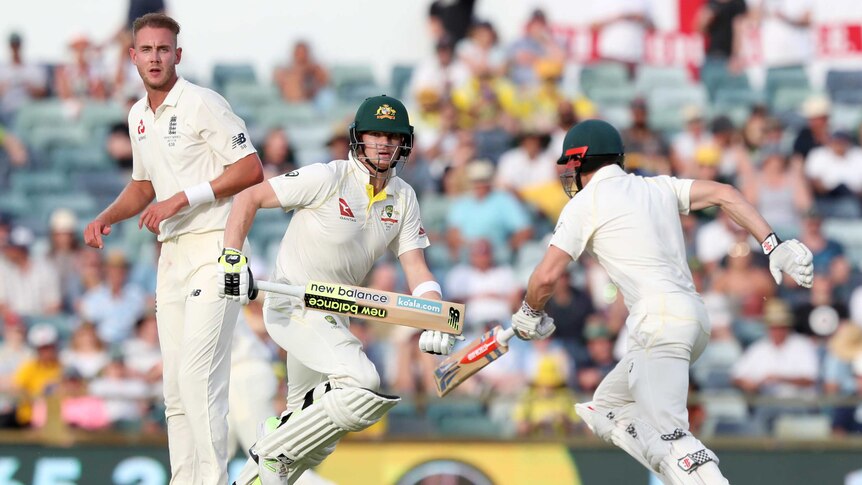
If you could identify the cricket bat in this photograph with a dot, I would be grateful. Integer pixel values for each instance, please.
(382, 306)
(458, 367)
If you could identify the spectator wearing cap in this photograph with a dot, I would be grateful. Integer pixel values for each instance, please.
(30, 286)
(36, 376)
(83, 76)
(779, 191)
(65, 254)
(115, 304)
(20, 81)
(481, 51)
(646, 150)
(546, 409)
(600, 355)
(441, 73)
(835, 172)
(486, 213)
(685, 143)
(839, 378)
(303, 78)
(816, 111)
(783, 363)
(706, 158)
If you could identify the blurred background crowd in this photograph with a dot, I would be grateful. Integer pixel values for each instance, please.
(490, 114)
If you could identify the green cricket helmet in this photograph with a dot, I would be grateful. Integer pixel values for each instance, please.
(386, 115)
(587, 146)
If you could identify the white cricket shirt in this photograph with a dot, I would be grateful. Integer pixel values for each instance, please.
(189, 139)
(337, 232)
(631, 225)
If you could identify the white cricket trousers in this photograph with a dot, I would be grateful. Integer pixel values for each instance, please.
(319, 348)
(195, 330)
(666, 334)
(253, 387)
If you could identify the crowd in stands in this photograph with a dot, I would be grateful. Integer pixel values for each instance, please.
(490, 114)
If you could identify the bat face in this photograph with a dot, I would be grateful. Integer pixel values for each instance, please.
(459, 366)
(385, 306)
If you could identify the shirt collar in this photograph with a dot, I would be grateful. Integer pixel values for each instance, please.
(172, 97)
(606, 172)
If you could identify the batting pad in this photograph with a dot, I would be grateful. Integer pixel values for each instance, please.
(323, 422)
(690, 462)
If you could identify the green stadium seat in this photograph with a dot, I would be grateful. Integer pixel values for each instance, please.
(225, 73)
(97, 116)
(44, 139)
(849, 234)
(472, 427)
(353, 82)
(846, 116)
(784, 77)
(789, 99)
(284, 115)
(651, 78)
(716, 76)
(14, 204)
(839, 81)
(250, 94)
(618, 115)
(400, 79)
(70, 159)
(311, 136)
(666, 105)
(80, 203)
(605, 96)
(40, 113)
(604, 74)
(30, 183)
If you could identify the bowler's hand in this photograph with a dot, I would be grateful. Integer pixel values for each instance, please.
(154, 214)
(94, 232)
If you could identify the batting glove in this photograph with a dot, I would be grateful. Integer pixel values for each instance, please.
(791, 257)
(235, 279)
(436, 342)
(530, 324)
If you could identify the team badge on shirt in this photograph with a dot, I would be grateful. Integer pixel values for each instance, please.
(385, 112)
(142, 130)
(172, 136)
(389, 215)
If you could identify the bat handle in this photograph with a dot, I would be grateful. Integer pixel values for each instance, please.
(280, 288)
(506, 335)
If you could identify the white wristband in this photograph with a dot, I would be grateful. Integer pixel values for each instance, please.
(200, 194)
(427, 286)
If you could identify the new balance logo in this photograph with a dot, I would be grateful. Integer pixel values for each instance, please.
(454, 318)
(196, 293)
(172, 126)
(238, 140)
(344, 209)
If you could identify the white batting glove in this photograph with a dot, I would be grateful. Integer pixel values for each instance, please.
(530, 324)
(436, 342)
(791, 257)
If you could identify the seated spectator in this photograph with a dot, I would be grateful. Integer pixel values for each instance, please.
(440, 74)
(338, 146)
(839, 379)
(685, 144)
(835, 172)
(65, 254)
(783, 364)
(85, 354)
(30, 286)
(706, 159)
(487, 100)
(712, 370)
(126, 397)
(829, 255)
(13, 352)
(36, 376)
(816, 133)
(485, 213)
(141, 352)
(735, 161)
(118, 145)
(746, 285)
(536, 44)
(115, 304)
(779, 192)
(573, 306)
(600, 355)
(20, 81)
(489, 290)
(83, 76)
(480, 51)
(78, 409)
(528, 164)
(303, 78)
(547, 408)
(646, 150)
(277, 154)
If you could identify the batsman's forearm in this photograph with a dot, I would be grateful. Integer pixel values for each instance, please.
(239, 220)
(131, 201)
(539, 291)
(746, 215)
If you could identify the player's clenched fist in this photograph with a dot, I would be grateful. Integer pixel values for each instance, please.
(436, 342)
(530, 324)
(94, 232)
(235, 279)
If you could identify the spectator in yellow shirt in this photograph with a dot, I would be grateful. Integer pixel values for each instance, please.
(37, 376)
(548, 408)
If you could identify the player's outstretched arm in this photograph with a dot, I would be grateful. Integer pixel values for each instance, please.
(242, 212)
(132, 200)
(422, 284)
(791, 257)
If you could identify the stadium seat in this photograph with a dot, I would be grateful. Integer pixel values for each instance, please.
(307, 156)
(309, 136)
(651, 78)
(848, 96)
(846, 116)
(803, 426)
(287, 114)
(250, 94)
(784, 77)
(789, 99)
(44, 139)
(603, 74)
(715, 77)
(353, 82)
(224, 73)
(98, 183)
(80, 203)
(619, 116)
(70, 159)
(400, 79)
(32, 183)
(50, 112)
(96, 116)
(605, 96)
(14, 204)
(841, 81)
(472, 426)
(849, 234)
(666, 105)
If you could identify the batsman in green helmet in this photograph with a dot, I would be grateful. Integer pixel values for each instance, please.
(347, 214)
(631, 225)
